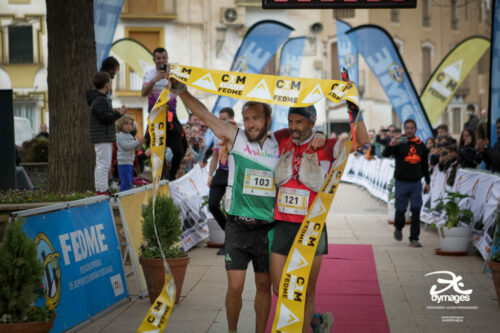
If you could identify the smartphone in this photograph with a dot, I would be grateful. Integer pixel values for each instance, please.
(403, 139)
(163, 67)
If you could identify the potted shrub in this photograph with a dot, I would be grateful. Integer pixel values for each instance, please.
(20, 284)
(494, 262)
(391, 204)
(169, 227)
(455, 234)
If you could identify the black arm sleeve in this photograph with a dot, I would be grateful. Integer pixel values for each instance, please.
(104, 112)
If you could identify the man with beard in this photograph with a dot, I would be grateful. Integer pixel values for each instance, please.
(299, 175)
(250, 199)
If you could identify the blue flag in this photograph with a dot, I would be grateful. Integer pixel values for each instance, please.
(380, 53)
(347, 50)
(259, 45)
(106, 15)
(290, 61)
(494, 112)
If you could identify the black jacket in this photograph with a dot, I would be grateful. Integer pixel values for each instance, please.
(411, 160)
(492, 156)
(102, 118)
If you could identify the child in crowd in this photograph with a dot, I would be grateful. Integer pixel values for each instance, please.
(127, 146)
(102, 128)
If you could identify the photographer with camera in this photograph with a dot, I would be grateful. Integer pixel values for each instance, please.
(411, 165)
(154, 81)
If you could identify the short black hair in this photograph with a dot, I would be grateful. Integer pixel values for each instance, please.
(100, 79)
(109, 63)
(410, 121)
(228, 111)
(443, 126)
(159, 50)
(267, 108)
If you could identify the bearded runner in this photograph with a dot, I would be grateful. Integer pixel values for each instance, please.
(160, 311)
(302, 204)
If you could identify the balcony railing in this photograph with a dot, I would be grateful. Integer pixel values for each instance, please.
(139, 9)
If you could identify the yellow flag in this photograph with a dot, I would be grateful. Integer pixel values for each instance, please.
(450, 74)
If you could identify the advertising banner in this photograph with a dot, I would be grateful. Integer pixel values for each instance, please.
(379, 51)
(188, 192)
(290, 61)
(450, 74)
(106, 15)
(347, 49)
(494, 107)
(259, 45)
(131, 203)
(82, 267)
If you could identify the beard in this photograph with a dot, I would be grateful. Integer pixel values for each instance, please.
(300, 136)
(255, 137)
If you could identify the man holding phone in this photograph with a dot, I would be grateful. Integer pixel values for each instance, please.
(411, 165)
(154, 81)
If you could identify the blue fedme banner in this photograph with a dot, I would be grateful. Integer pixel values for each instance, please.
(106, 15)
(82, 269)
(380, 53)
(347, 50)
(259, 45)
(290, 61)
(495, 74)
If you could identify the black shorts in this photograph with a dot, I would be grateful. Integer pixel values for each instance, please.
(284, 235)
(247, 242)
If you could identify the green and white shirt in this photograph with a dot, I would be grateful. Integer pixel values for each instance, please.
(251, 191)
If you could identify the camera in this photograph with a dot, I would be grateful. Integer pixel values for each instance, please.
(163, 67)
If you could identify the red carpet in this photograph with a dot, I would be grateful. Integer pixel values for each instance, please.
(348, 287)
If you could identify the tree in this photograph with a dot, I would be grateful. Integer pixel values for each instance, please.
(72, 63)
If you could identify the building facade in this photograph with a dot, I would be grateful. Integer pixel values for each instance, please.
(207, 33)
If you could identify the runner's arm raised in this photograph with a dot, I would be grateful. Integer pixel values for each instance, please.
(221, 129)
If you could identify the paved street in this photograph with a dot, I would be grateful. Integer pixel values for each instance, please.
(355, 218)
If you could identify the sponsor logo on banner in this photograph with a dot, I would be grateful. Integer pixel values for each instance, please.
(446, 81)
(182, 73)
(396, 72)
(318, 209)
(116, 282)
(297, 261)
(349, 60)
(309, 236)
(286, 318)
(453, 284)
(293, 288)
(232, 84)
(260, 91)
(51, 278)
(287, 91)
(315, 95)
(206, 82)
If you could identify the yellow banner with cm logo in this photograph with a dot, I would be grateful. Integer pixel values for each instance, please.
(290, 308)
(271, 89)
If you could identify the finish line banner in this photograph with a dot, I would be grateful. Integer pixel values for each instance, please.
(272, 89)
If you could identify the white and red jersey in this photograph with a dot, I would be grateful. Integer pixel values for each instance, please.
(294, 198)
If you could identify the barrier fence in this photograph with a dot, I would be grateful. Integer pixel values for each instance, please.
(483, 189)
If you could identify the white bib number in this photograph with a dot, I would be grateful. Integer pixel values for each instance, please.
(293, 201)
(259, 182)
